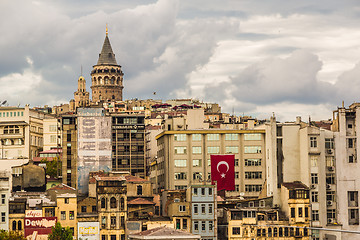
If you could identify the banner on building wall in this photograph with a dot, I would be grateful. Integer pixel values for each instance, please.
(94, 145)
(33, 213)
(42, 225)
(223, 171)
(89, 230)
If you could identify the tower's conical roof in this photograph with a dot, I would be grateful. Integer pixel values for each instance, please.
(107, 57)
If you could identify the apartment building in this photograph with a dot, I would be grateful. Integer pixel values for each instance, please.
(346, 125)
(21, 134)
(69, 153)
(5, 188)
(299, 151)
(128, 143)
(184, 158)
(203, 203)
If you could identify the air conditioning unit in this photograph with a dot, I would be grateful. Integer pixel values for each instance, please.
(331, 220)
(332, 168)
(312, 186)
(328, 186)
(329, 151)
(329, 203)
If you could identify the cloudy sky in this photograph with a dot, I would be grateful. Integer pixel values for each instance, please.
(254, 57)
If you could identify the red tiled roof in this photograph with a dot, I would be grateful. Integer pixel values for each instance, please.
(165, 231)
(140, 201)
(107, 178)
(62, 186)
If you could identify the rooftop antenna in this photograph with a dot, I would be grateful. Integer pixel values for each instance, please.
(107, 32)
(81, 70)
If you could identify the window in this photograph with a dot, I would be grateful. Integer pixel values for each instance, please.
(236, 162)
(350, 125)
(353, 199)
(178, 223)
(252, 162)
(180, 137)
(231, 149)
(211, 225)
(292, 212)
(66, 200)
(213, 137)
(203, 210)
(196, 209)
(300, 212)
(103, 202)
(196, 225)
(196, 137)
(313, 142)
(103, 222)
(19, 225)
(180, 162)
(203, 191)
(314, 161)
(237, 188)
(252, 136)
(253, 188)
(53, 138)
(330, 196)
(83, 209)
(314, 178)
(231, 136)
(14, 225)
(330, 213)
(197, 176)
(236, 230)
(196, 163)
(3, 217)
(180, 176)
(182, 208)
(213, 149)
(329, 161)
(113, 221)
(184, 223)
(353, 216)
(180, 150)
(350, 142)
(113, 202)
(352, 159)
(2, 198)
(330, 178)
(253, 175)
(203, 226)
(236, 175)
(196, 150)
(71, 215)
(195, 191)
(210, 208)
(329, 143)
(314, 196)
(252, 149)
(63, 215)
(306, 212)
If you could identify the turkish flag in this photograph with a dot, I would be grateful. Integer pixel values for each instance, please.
(223, 171)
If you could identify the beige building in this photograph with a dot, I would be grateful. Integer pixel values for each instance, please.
(185, 147)
(21, 134)
(297, 151)
(52, 133)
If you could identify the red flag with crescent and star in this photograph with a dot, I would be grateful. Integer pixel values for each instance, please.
(223, 171)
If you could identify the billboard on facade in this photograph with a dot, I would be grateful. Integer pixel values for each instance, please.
(41, 225)
(33, 213)
(88, 230)
(94, 144)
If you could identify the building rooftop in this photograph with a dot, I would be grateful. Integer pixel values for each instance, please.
(295, 185)
(164, 233)
(62, 186)
(140, 201)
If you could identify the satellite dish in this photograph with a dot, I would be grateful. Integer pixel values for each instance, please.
(242, 194)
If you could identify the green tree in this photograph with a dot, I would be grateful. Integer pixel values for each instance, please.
(60, 233)
(52, 167)
(5, 235)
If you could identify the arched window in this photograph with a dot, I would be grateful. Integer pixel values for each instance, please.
(100, 81)
(112, 80)
(19, 225)
(103, 203)
(14, 225)
(280, 232)
(139, 190)
(106, 80)
(112, 202)
(122, 203)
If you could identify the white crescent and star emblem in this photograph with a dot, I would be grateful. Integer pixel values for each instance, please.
(227, 168)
